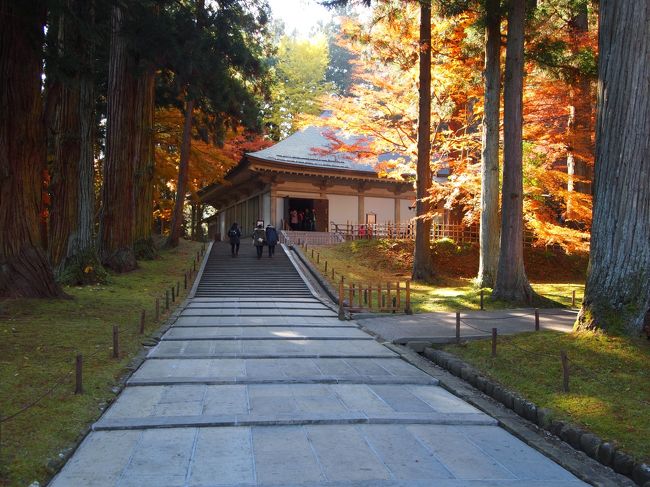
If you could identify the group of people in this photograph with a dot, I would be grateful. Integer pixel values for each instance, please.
(261, 237)
(304, 220)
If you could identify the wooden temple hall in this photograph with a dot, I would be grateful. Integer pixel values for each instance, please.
(293, 186)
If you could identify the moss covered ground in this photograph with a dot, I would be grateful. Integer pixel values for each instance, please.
(39, 341)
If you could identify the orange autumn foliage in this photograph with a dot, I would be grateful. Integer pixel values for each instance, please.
(208, 163)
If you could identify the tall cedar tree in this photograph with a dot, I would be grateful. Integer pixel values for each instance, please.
(579, 127)
(489, 231)
(71, 101)
(422, 258)
(183, 166)
(144, 163)
(511, 282)
(617, 294)
(117, 218)
(24, 269)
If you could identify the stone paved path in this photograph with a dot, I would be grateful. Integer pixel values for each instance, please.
(275, 391)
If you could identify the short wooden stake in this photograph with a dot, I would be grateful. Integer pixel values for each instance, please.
(457, 326)
(399, 298)
(482, 308)
(341, 310)
(573, 298)
(116, 341)
(365, 296)
(536, 319)
(318, 258)
(185, 280)
(173, 295)
(325, 266)
(407, 307)
(78, 385)
(194, 266)
(142, 320)
(565, 371)
(157, 309)
(332, 273)
(166, 299)
(312, 253)
(494, 342)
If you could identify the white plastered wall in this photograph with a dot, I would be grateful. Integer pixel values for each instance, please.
(384, 208)
(405, 213)
(342, 208)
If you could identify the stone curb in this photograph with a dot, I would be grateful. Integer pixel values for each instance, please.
(55, 465)
(332, 293)
(595, 448)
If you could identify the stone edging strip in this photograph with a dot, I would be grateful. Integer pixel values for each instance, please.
(546, 442)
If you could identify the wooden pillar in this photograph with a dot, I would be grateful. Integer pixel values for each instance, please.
(361, 209)
(398, 216)
(274, 211)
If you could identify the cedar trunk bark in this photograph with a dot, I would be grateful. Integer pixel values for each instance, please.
(144, 165)
(489, 231)
(117, 214)
(579, 127)
(422, 260)
(617, 294)
(511, 283)
(71, 247)
(183, 168)
(24, 269)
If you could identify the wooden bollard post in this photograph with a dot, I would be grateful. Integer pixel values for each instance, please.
(536, 319)
(116, 341)
(194, 266)
(332, 273)
(482, 308)
(173, 295)
(312, 253)
(407, 306)
(351, 288)
(341, 310)
(370, 296)
(318, 258)
(494, 342)
(388, 299)
(142, 320)
(178, 288)
(399, 297)
(565, 371)
(185, 280)
(573, 298)
(166, 299)
(198, 256)
(457, 326)
(157, 309)
(78, 385)
(365, 296)
(325, 266)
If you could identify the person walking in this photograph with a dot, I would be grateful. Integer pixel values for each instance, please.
(235, 235)
(258, 239)
(271, 239)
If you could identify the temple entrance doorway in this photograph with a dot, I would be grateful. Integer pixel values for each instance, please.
(306, 214)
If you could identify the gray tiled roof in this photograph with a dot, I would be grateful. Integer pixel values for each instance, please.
(299, 147)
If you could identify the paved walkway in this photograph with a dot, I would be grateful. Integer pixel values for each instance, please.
(275, 391)
(440, 327)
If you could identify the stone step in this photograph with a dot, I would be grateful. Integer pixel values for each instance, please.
(256, 332)
(270, 349)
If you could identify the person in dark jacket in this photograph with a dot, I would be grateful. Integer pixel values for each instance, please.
(234, 234)
(259, 235)
(271, 239)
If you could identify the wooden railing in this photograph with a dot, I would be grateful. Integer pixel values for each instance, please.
(352, 231)
(393, 297)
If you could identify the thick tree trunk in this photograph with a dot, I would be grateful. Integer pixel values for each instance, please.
(183, 168)
(144, 166)
(71, 248)
(489, 229)
(579, 127)
(511, 283)
(24, 269)
(117, 214)
(422, 260)
(617, 294)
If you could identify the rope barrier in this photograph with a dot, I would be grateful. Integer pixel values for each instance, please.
(37, 400)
